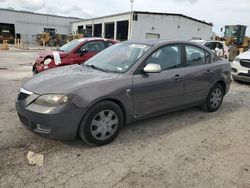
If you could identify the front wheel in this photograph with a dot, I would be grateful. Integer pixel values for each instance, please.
(101, 124)
(214, 98)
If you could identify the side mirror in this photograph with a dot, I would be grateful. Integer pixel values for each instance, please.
(83, 51)
(152, 68)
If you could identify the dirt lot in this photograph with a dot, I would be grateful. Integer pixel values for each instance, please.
(189, 148)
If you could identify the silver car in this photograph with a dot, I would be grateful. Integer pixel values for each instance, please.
(129, 81)
(241, 67)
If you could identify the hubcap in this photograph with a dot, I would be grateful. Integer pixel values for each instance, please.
(215, 98)
(104, 124)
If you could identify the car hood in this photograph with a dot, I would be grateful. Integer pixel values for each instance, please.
(245, 55)
(50, 53)
(66, 79)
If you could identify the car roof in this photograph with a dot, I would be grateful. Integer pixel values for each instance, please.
(94, 38)
(204, 41)
(162, 41)
(148, 41)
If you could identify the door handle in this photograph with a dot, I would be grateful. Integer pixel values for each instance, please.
(209, 71)
(177, 77)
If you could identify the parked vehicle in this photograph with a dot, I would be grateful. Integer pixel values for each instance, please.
(51, 39)
(74, 52)
(241, 67)
(124, 83)
(219, 47)
(236, 40)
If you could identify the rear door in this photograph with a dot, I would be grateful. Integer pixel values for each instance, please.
(153, 92)
(199, 73)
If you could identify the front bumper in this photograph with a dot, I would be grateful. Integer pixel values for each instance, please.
(239, 72)
(37, 66)
(59, 122)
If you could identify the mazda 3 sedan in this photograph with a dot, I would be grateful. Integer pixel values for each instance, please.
(126, 82)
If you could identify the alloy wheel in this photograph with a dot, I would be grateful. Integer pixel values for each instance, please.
(216, 98)
(104, 124)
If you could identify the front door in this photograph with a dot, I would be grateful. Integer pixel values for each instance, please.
(92, 48)
(154, 92)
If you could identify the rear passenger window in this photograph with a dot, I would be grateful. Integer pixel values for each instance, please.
(196, 56)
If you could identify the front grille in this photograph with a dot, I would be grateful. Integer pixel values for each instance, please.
(245, 63)
(22, 96)
(244, 74)
(234, 70)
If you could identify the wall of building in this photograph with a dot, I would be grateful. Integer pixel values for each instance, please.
(102, 20)
(155, 26)
(30, 24)
(169, 27)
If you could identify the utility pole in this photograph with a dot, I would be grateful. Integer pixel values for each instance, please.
(131, 19)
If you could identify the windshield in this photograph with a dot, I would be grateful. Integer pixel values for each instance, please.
(231, 31)
(118, 58)
(69, 46)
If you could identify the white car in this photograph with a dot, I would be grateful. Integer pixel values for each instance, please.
(241, 67)
(218, 47)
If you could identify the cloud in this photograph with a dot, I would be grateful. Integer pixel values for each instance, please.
(74, 10)
(32, 5)
(190, 1)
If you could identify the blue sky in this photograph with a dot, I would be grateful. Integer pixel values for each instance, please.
(220, 12)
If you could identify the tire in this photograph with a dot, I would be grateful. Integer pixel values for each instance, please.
(51, 42)
(233, 52)
(214, 98)
(102, 124)
(62, 42)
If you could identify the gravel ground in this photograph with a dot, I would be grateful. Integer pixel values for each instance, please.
(188, 148)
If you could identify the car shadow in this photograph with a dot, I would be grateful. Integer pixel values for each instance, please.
(164, 125)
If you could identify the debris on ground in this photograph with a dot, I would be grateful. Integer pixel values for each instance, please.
(35, 158)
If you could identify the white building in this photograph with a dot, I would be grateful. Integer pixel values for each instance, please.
(145, 25)
(27, 25)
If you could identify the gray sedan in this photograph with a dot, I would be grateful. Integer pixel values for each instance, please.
(126, 82)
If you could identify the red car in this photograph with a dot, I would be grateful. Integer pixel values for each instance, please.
(75, 52)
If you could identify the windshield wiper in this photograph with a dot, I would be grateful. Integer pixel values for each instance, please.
(60, 50)
(95, 67)
(98, 68)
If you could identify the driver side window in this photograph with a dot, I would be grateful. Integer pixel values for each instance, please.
(168, 57)
(94, 46)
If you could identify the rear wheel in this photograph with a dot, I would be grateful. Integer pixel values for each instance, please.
(214, 98)
(101, 124)
(51, 42)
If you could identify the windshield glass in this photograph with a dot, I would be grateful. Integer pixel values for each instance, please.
(231, 31)
(118, 58)
(69, 46)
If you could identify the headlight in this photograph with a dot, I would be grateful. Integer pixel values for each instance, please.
(237, 59)
(47, 61)
(51, 100)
